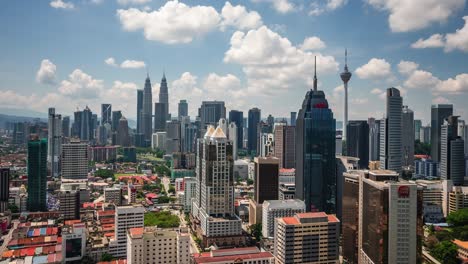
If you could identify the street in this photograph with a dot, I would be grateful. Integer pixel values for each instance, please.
(166, 182)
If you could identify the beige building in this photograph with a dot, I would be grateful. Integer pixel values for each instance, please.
(454, 197)
(462, 248)
(247, 255)
(307, 238)
(152, 245)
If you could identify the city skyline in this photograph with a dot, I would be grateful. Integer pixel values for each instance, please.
(395, 52)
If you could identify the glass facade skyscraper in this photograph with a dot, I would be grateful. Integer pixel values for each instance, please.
(438, 114)
(37, 175)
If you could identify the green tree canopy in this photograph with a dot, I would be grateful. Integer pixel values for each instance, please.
(105, 173)
(458, 218)
(446, 252)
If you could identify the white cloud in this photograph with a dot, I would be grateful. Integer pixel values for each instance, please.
(359, 101)
(111, 62)
(421, 79)
(376, 91)
(317, 8)
(133, 2)
(272, 64)
(440, 100)
(459, 39)
(81, 85)
(413, 15)
(172, 23)
(132, 64)
(434, 41)
(456, 85)
(59, 4)
(312, 43)
(407, 67)
(375, 69)
(47, 72)
(239, 17)
(215, 83)
(281, 6)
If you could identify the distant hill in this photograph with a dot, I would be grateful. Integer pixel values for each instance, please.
(22, 113)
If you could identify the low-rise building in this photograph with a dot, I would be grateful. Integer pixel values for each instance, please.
(248, 255)
(287, 175)
(273, 209)
(113, 195)
(287, 191)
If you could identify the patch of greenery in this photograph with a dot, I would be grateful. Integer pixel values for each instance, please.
(256, 231)
(446, 252)
(105, 173)
(163, 219)
(422, 148)
(250, 181)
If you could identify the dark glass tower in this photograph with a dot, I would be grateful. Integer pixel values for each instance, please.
(357, 144)
(438, 114)
(106, 113)
(4, 188)
(183, 109)
(237, 117)
(252, 137)
(139, 109)
(315, 153)
(37, 175)
(164, 95)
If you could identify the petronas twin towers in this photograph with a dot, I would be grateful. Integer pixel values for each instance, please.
(147, 107)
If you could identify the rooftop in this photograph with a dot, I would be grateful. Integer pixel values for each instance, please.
(231, 255)
(461, 244)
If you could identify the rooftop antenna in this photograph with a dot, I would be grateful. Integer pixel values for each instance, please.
(315, 74)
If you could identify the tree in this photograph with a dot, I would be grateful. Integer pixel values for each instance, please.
(458, 218)
(171, 189)
(105, 173)
(107, 257)
(13, 208)
(162, 219)
(256, 231)
(250, 181)
(422, 148)
(446, 252)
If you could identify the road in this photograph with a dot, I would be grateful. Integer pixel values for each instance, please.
(6, 238)
(166, 182)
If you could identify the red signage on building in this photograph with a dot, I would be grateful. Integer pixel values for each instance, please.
(403, 192)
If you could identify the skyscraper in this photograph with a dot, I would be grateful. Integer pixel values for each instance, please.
(123, 137)
(210, 112)
(54, 142)
(266, 179)
(358, 142)
(116, 115)
(417, 129)
(452, 161)
(66, 126)
(407, 136)
(238, 118)
(75, 161)
(183, 108)
(86, 128)
(390, 133)
(173, 136)
(4, 188)
(374, 139)
(147, 113)
(438, 114)
(164, 95)
(160, 115)
(214, 203)
(345, 77)
(293, 118)
(316, 181)
(37, 175)
(232, 135)
(106, 113)
(139, 111)
(252, 137)
(285, 145)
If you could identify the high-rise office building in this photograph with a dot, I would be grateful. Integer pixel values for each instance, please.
(285, 145)
(213, 206)
(147, 113)
(270, 123)
(126, 217)
(357, 144)
(266, 179)
(407, 136)
(190, 138)
(75, 161)
(69, 204)
(160, 117)
(345, 77)
(293, 118)
(315, 153)
(439, 113)
(237, 117)
(425, 134)
(252, 136)
(210, 112)
(66, 126)
(183, 108)
(452, 156)
(350, 217)
(123, 137)
(173, 139)
(417, 129)
(4, 188)
(164, 95)
(86, 128)
(307, 238)
(391, 148)
(116, 115)
(139, 111)
(232, 135)
(37, 175)
(266, 145)
(54, 142)
(273, 209)
(106, 114)
(224, 125)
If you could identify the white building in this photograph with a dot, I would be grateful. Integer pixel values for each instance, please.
(241, 169)
(232, 135)
(158, 140)
(190, 191)
(126, 217)
(73, 242)
(287, 176)
(273, 209)
(454, 197)
(74, 161)
(267, 144)
(158, 246)
(113, 195)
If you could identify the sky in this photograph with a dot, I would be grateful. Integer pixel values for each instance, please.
(254, 53)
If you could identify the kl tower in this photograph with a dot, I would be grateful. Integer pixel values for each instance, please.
(345, 76)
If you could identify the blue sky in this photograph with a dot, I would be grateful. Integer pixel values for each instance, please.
(251, 53)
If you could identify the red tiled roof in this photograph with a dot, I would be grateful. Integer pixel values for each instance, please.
(312, 215)
(208, 259)
(290, 220)
(136, 231)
